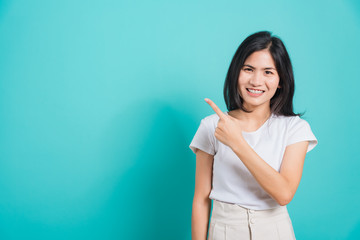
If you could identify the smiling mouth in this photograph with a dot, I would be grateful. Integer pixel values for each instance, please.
(254, 91)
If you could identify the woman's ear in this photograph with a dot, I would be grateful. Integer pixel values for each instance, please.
(278, 86)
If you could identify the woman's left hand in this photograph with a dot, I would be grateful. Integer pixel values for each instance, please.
(228, 130)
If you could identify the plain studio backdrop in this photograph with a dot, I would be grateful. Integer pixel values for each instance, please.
(99, 101)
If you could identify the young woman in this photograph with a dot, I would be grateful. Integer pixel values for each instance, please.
(249, 159)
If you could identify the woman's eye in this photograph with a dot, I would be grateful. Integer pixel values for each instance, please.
(268, 72)
(247, 69)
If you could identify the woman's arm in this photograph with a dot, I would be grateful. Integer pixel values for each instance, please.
(201, 203)
(280, 186)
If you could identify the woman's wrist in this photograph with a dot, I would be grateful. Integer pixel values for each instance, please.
(239, 144)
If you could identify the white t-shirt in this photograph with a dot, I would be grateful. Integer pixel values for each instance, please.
(232, 181)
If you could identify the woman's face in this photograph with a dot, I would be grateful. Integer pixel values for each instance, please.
(258, 75)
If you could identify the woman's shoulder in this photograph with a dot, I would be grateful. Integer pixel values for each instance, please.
(290, 120)
(212, 119)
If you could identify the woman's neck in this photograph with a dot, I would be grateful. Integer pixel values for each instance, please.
(257, 117)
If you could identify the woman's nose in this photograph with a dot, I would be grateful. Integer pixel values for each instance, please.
(256, 79)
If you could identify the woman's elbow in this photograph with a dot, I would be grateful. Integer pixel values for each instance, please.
(285, 198)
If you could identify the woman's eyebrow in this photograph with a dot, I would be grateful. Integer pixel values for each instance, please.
(263, 68)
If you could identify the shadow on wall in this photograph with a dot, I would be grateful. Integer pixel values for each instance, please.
(355, 233)
(152, 198)
(3, 7)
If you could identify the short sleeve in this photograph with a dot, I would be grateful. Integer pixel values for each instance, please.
(300, 130)
(203, 139)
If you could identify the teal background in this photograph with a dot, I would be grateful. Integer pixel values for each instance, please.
(99, 101)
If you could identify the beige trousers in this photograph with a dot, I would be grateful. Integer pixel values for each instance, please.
(231, 221)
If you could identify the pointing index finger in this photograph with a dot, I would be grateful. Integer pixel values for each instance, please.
(215, 108)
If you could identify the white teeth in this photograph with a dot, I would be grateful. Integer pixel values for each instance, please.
(255, 91)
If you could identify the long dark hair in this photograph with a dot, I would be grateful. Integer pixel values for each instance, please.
(282, 102)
